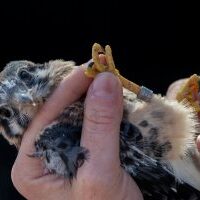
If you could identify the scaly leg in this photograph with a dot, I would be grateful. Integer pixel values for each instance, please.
(142, 92)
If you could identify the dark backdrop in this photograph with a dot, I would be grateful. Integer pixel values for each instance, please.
(142, 36)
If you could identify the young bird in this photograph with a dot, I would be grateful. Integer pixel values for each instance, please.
(157, 139)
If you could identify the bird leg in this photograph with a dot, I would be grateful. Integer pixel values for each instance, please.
(97, 66)
(142, 93)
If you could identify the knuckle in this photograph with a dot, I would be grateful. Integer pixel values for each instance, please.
(100, 115)
(101, 110)
(100, 119)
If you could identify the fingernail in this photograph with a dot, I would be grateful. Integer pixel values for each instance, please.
(105, 85)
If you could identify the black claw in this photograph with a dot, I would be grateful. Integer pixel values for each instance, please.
(90, 64)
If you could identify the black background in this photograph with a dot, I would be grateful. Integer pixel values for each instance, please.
(142, 35)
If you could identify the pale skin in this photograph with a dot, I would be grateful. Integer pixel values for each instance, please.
(101, 177)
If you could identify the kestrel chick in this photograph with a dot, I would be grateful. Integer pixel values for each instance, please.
(157, 139)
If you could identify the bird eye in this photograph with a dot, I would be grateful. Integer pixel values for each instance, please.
(5, 113)
(24, 75)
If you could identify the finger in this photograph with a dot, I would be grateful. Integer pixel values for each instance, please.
(102, 59)
(68, 91)
(174, 88)
(103, 114)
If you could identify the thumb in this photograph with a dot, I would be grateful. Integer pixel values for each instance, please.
(101, 127)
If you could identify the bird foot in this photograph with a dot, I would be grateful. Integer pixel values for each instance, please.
(97, 66)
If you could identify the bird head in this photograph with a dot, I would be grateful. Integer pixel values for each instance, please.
(24, 87)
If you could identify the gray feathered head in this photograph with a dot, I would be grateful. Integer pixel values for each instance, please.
(24, 86)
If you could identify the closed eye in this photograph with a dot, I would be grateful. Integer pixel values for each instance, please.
(5, 113)
(24, 75)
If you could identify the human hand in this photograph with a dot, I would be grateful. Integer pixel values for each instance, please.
(171, 94)
(101, 177)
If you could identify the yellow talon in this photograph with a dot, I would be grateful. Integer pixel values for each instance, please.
(97, 67)
(190, 92)
(96, 49)
(110, 61)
